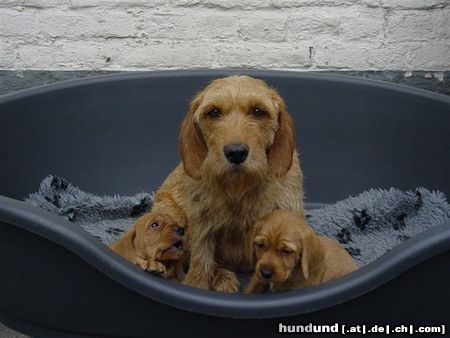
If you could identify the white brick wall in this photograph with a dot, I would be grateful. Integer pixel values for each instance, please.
(292, 34)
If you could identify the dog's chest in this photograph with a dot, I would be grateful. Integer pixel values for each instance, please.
(219, 213)
(232, 249)
(231, 222)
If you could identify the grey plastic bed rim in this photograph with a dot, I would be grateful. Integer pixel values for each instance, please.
(70, 236)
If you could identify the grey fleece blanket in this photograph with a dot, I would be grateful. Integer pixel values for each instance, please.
(367, 225)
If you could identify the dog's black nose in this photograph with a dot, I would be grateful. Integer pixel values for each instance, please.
(236, 153)
(266, 273)
(180, 231)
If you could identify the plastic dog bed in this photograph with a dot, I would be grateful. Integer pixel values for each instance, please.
(118, 134)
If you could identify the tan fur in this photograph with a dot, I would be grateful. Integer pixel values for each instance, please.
(297, 257)
(152, 248)
(222, 202)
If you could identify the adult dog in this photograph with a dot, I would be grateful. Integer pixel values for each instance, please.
(239, 163)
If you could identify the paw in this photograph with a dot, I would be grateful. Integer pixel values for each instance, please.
(142, 263)
(157, 268)
(225, 281)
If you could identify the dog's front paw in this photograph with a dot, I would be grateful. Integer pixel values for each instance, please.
(142, 263)
(225, 281)
(157, 268)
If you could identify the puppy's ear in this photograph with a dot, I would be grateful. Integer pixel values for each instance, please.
(250, 241)
(281, 151)
(124, 246)
(191, 145)
(312, 253)
(140, 227)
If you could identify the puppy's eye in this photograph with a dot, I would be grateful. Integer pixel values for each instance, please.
(154, 225)
(259, 245)
(285, 252)
(258, 112)
(214, 113)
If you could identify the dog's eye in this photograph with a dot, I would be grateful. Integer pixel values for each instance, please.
(214, 113)
(285, 252)
(259, 245)
(154, 225)
(258, 112)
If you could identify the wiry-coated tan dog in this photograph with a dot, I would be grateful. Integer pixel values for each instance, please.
(155, 243)
(238, 164)
(290, 255)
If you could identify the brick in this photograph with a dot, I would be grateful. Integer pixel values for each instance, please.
(33, 3)
(91, 22)
(263, 55)
(59, 55)
(406, 56)
(190, 26)
(166, 56)
(352, 24)
(418, 25)
(260, 4)
(14, 22)
(358, 23)
(414, 4)
(308, 24)
(267, 28)
(75, 4)
(7, 57)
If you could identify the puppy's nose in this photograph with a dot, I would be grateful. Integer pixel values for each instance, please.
(179, 231)
(236, 153)
(266, 273)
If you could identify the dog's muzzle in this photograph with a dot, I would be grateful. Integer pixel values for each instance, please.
(266, 273)
(179, 230)
(236, 153)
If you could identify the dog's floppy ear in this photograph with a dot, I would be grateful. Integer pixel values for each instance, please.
(124, 246)
(191, 145)
(251, 237)
(281, 151)
(312, 253)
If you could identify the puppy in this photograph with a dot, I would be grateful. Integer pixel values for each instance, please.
(290, 255)
(155, 243)
(237, 146)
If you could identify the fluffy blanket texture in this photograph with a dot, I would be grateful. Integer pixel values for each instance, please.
(367, 225)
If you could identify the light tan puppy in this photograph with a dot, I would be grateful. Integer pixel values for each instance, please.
(155, 243)
(290, 255)
(238, 164)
